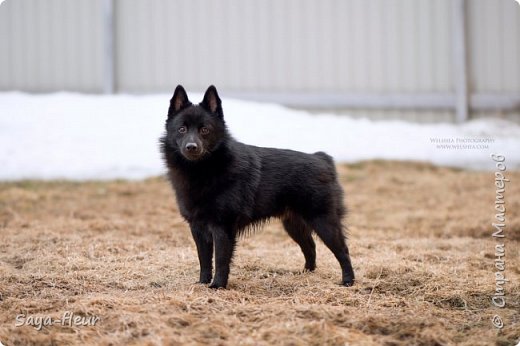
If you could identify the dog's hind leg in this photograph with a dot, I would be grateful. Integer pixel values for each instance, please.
(301, 233)
(330, 231)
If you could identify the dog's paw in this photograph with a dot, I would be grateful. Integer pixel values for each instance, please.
(309, 267)
(348, 282)
(204, 280)
(216, 285)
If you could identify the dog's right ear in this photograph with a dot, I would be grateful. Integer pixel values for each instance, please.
(179, 101)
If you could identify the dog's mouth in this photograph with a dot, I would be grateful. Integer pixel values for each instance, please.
(192, 155)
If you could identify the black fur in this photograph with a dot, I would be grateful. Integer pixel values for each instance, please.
(224, 187)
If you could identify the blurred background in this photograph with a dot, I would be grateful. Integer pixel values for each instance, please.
(420, 60)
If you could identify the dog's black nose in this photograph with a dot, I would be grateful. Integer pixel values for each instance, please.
(191, 146)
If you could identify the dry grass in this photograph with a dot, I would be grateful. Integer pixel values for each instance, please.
(419, 237)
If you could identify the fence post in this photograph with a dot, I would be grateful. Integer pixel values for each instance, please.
(460, 60)
(108, 47)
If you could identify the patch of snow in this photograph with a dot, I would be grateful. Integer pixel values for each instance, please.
(77, 136)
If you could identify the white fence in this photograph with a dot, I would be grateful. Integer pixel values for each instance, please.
(418, 54)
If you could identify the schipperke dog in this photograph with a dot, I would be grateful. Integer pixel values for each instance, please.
(224, 187)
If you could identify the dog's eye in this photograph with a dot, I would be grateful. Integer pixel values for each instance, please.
(182, 129)
(204, 131)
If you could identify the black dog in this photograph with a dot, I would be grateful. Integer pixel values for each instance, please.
(223, 187)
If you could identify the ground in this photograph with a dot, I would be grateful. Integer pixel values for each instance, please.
(420, 240)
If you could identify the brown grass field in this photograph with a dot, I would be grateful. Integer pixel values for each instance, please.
(420, 240)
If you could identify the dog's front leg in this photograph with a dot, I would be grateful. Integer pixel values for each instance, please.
(224, 246)
(204, 241)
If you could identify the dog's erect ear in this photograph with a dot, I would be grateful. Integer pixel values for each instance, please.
(179, 100)
(211, 101)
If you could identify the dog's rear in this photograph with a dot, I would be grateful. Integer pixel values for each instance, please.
(314, 202)
(337, 191)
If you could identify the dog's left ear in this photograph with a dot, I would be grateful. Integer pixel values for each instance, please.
(211, 101)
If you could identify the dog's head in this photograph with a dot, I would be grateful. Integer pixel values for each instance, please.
(195, 131)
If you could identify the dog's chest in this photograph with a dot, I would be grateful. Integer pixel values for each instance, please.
(204, 198)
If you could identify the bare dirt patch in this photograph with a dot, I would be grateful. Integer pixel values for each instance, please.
(420, 239)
